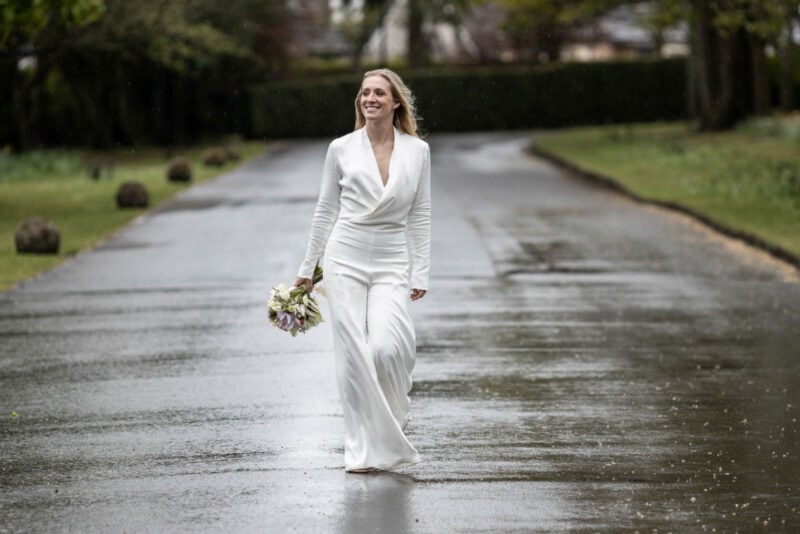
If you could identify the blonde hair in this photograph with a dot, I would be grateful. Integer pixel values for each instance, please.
(405, 116)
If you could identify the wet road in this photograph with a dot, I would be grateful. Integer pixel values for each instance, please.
(586, 363)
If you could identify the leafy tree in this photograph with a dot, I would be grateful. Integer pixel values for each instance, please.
(787, 52)
(727, 66)
(538, 28)
(430, 12)
(23, 26)
(360, 23)
(99, 61)
(22, 20)
(165, 33)
(662, 16)
(262, 30)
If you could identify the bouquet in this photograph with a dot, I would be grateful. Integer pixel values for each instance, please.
(295, 309)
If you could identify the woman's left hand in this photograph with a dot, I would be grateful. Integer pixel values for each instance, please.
(417, 294)
(307, 282)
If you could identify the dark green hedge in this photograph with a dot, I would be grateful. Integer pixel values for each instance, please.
(143, 104)
(7, 70)
(103, 101)
(485, 99)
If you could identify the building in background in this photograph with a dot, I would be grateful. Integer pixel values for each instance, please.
(479, 37)
(619, 34)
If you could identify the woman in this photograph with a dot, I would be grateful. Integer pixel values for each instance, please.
(373, 214)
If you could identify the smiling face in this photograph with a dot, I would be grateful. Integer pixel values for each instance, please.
(376, 100)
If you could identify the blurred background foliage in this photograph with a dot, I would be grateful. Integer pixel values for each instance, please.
(129, 85)
(105, 73)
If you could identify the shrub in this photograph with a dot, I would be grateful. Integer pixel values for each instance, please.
(37, 235)
(179, 170)
(97, 167)
(132, 195)
(214, 157)
(231, 154)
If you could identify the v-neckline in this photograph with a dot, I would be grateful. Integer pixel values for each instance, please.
(375, 158)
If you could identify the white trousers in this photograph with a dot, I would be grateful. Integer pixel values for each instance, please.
(366, 280)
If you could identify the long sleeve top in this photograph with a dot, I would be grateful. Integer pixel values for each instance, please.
(352, 191)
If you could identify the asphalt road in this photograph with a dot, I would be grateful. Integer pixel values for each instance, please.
(585, 363)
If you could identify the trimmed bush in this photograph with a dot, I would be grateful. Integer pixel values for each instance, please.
(486, 99)
(231, 154)
(179, 170)
(37, 235)
(132, 195)
(214, 157)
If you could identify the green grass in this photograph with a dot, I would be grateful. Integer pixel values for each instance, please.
(747, 179)
(55, 184)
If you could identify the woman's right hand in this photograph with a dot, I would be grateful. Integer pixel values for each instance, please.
(307, 282)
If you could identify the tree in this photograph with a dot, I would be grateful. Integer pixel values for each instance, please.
(787, 52)
(728, 77)
(660, 17)
(97, 61)
(23, 25)
(727, 67)
(360, 22)
(262, 30)
(22, 20)
(422, 14)
(418, 44)
(538, 28)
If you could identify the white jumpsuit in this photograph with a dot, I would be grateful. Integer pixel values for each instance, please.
(374, 237)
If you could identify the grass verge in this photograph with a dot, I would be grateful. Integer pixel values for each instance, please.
(56, 184)
(745, 182)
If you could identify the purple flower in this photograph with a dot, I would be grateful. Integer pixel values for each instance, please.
(288, 321)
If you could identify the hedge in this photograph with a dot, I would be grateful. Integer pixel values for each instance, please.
(103, 101)
(485, 99)
(144, 104)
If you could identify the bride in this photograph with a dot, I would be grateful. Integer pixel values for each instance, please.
(372, 221)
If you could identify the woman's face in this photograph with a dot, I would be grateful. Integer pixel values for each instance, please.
(377, 102)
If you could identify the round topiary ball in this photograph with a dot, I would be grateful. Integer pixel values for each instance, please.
(132, 195)
(37, 235)
(214, 157)
(231, 154)
(179, 170)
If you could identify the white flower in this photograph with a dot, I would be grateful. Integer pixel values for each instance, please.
(293, 309)
(283, 292)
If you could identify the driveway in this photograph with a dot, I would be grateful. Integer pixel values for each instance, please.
(586, 363)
